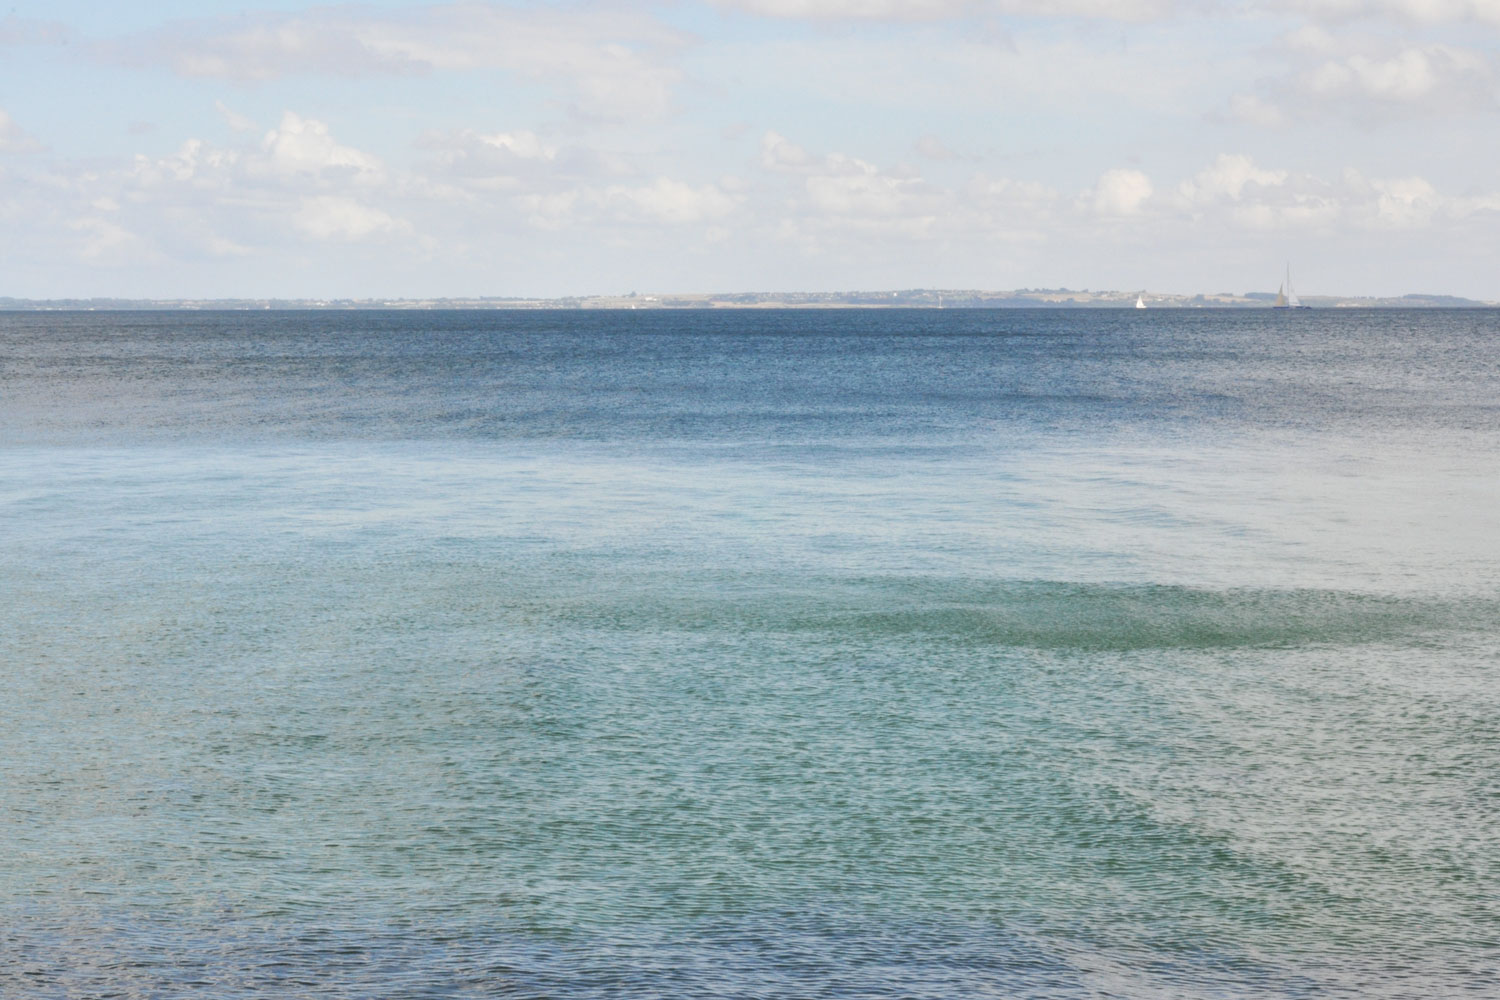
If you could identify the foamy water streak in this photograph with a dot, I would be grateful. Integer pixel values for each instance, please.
(861, 655)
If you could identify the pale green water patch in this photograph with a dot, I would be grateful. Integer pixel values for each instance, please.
(1127, 764)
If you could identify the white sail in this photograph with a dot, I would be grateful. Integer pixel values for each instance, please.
(1140, 301)
(1286, 295)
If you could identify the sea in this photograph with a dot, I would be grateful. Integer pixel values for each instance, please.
(750, 654)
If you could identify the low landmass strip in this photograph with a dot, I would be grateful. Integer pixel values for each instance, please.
(915, 298)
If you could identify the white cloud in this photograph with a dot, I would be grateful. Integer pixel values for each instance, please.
(1419, 11)
(933, 148)
(1228, 178)
(195, 161)
(937, 75)
(522, 145)
(473, 164)
(303, 147)
(670, 201)
(1394, 203)
(219, 246)
(1255, 110)
(471, 153)
(227, 200)
(1371, 79)
(300, 180)
(1406, 201)
(1119, 192)
(937, 10)
(1006, 209)
(104, 241)
(1110, 10)
(845, 192)
(860, 10)
(234, 119)
(611, 62)
(13, 139)
(777, 152)
(1235, 193)
(664, 201)
(265, 48)
(29, 31)
(553, 210)
(332, 217)
(837, 197)
(852, 187)
(1407, 76)
(1008, 192)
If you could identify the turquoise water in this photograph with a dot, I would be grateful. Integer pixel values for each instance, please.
(867, 654)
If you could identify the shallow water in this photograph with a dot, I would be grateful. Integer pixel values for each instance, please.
(794, 654)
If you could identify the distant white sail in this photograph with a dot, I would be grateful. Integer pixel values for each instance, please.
(1140, 301)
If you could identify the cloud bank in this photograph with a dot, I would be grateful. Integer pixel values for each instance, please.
(529, 148)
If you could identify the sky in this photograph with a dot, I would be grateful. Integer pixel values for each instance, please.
(395, 148)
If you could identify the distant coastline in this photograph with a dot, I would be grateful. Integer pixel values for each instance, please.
(918, 298)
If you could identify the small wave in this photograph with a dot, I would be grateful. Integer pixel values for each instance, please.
(1044, 614)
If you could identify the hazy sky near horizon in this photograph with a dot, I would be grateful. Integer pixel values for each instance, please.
(400, 148)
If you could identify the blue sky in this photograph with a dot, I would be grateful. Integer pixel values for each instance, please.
(431, 149)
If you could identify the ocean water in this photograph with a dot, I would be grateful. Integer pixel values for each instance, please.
(786, 654)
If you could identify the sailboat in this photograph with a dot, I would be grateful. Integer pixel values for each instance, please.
(1140, 301)
(1286, 297)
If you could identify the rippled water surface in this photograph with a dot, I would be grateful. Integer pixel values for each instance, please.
(796, 654)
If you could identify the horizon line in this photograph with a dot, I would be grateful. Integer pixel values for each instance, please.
(918, 298)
